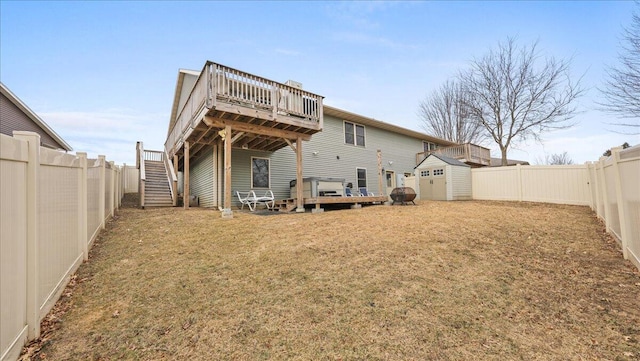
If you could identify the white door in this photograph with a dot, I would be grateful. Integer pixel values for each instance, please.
(391, 181)
(433, 185)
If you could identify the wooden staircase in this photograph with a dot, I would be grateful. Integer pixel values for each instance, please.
(157, 192)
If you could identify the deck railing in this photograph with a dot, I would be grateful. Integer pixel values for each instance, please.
(222, 84)
(468, 152)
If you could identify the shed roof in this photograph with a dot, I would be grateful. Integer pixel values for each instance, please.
(445, 159)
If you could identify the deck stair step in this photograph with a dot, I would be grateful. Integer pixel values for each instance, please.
(285, 205)
(157, 192)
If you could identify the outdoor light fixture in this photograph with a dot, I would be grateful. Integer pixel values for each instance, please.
(316, 152)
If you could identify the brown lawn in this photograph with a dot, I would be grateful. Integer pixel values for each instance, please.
(437, 281)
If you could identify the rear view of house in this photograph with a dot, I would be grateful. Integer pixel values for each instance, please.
(232, 131)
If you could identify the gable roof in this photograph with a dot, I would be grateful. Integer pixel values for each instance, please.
(187, 78)
(35, 118)
(345, 115)
(178, 97)
(445, 159)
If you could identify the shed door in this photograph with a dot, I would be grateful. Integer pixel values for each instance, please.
(433, 184)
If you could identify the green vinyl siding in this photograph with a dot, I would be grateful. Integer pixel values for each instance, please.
(327, 155)
(334, 158)
(201, 181)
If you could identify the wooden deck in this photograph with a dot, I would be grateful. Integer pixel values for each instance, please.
(263, 114)
(474, 155)
(288, 205)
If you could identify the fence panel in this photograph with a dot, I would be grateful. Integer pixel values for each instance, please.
(130, 179)
(612, 218)
(58, 222)
(565, 184)
(46, 226)
(550, 184)
(500, 183)
(93, 200)
(13, 246)
(629, 175)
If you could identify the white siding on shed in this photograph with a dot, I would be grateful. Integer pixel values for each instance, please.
(458, 178)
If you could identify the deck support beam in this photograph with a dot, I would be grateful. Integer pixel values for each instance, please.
(185, 187)
(299, 185)
(226, 211)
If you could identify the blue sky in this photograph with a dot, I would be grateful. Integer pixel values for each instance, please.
(102, 74)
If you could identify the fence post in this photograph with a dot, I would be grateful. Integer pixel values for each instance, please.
(605, 197)
(622, 209)
(102, 190)
(83, 218)
(112, 190)
(519, 172)
(33, 165)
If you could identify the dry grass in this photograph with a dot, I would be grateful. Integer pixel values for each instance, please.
(440, 281)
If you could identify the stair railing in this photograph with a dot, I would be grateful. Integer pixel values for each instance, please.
(172, 177)
(142, 175)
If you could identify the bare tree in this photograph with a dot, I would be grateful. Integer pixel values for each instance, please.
(621, 90)
(557, 159)
(444, 115)
(516, 95)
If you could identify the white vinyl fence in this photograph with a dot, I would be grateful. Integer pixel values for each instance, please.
(610, 186)
(130, 179)
(52, 207)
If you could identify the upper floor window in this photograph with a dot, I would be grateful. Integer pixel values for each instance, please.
(260, 177)
(428, 146)
(354, 134)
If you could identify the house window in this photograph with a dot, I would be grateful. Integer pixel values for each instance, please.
(361, 174)
(438, 172)
(428, 146)
(354, 134)
(424, 173)
(260, 173)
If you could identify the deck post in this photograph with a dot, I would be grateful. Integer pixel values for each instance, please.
(226, 211)
(185, 186)
(299, 185)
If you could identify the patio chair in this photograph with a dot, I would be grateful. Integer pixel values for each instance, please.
(347, 192)
(244, 198)
(268, 199)
(251, 199)
(365, 193)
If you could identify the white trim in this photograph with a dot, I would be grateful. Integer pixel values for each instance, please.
(366, 176)
(355, 134)
(269, 168)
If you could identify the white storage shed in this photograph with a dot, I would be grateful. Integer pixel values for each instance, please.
(439, 177)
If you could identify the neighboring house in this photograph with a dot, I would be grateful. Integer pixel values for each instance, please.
(497, 162)
(233, 131)
(16, 115)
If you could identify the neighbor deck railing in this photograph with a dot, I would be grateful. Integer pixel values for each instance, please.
(221, 84)
(469, 152)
